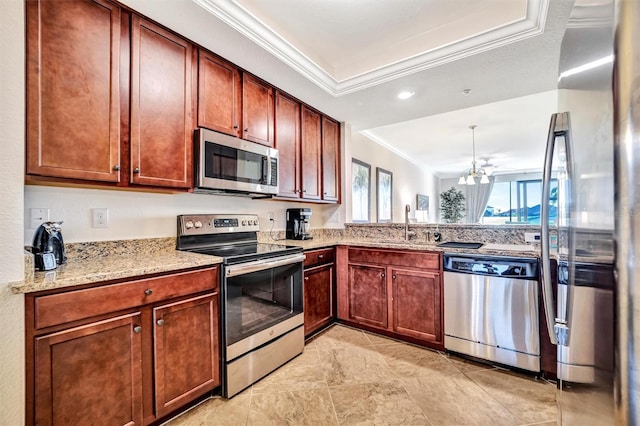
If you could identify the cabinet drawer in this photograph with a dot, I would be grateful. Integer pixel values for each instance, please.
(411, 259)
(75, 305)
(317, 257)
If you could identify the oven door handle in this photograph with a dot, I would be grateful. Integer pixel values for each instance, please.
(261, 265)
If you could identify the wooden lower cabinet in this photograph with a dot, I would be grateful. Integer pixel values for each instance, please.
(318, 297)
(368, 295)
(130, 366)
(319, 289)
(416, 304)
(396, 292)
(186, 347)
(90, 374)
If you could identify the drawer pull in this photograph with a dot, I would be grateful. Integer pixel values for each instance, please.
(148, 292)
(382, 275)
(320, 256)
(306, 278)
(137, 329)
(393, 276)
(160, 322)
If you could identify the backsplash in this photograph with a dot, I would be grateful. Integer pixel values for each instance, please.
(487, 234)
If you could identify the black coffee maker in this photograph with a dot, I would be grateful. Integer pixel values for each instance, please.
(298, 224)
(48, 246)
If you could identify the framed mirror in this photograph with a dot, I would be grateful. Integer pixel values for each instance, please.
(384, 195)
(360, 191)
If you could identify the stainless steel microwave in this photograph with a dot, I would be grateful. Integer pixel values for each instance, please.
(232, 166)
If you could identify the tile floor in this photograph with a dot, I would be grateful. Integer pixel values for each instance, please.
(346, 376)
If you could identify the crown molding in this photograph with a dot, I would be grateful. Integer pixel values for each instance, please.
(254, 29)
(380, 141)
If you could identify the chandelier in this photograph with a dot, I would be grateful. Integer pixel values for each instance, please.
(469, 177)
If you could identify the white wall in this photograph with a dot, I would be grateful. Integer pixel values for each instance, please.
(12, 377)
(150, 215)
(408, 179)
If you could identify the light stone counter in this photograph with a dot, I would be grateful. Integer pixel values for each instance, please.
(96, 262)
(512, 250)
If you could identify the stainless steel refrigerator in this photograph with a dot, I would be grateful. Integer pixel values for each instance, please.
(593, 153)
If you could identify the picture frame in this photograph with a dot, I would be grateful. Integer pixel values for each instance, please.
(361, 191)
(384, 195)
(422, 202)
(422, 208)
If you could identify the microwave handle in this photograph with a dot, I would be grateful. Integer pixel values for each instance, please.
(266, 170)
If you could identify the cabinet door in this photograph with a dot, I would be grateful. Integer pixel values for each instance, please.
(90, 374)
(318, 297)
(368, 295)
(257, 110)
(161, 107)
(186, 351)
(287, 141)
(219, 95)
(311, 148)
(417, 304)
(73, 89)
(330, 160)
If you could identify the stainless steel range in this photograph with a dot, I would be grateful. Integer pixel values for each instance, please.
(261, 290)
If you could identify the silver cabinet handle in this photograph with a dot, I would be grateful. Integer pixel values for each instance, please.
(236, 127)
(382, 275)
(160, 322)
(320, 256)
(393, 276)
(148, 292)
(116, 168)
(306, 278)
(136, 170)
(137, 329)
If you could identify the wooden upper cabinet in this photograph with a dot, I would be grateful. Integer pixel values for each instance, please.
(330, 160)
(73, 89)
(219, 95)
(90, 372)
(257, 110)
(162, 107)
(311, 145)
(287, 141)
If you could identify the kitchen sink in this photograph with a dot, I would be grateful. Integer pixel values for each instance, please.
(460, 244)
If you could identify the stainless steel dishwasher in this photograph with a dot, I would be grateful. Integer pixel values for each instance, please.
(491, 308)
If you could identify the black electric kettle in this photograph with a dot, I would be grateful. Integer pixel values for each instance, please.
(48, 246)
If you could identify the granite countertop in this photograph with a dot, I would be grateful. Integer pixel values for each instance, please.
(86, 270)
(517, 250)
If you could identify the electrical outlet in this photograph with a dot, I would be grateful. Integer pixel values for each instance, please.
(100, 218)
(37, 216)
(532, 237)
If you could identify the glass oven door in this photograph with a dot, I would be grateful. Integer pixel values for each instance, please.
(258, 296)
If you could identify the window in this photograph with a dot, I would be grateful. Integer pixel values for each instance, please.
(519, 202)
(360, 190)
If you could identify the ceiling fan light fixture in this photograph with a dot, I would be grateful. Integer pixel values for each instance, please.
(473, 172)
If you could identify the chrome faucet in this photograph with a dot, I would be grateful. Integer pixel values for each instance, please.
(407, 233)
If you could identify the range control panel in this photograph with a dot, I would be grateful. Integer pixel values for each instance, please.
(202, 224)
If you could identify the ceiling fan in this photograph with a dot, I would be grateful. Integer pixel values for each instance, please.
(490, 168)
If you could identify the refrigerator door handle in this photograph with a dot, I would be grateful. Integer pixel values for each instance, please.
(557, 127)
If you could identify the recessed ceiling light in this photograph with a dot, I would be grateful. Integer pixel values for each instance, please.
(405, 95)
